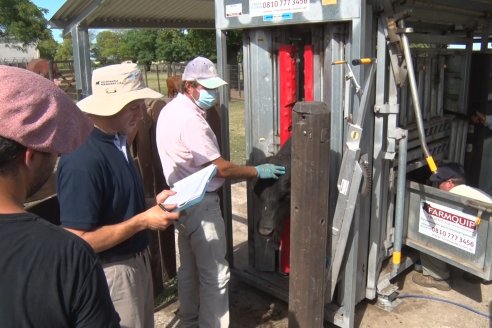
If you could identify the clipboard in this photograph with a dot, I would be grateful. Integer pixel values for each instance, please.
(191, 190)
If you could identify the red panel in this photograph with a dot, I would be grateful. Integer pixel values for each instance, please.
(288, 98)
(285, 248)
(287, 89)
(308, 73)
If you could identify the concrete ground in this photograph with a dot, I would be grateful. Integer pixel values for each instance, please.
(468, 305)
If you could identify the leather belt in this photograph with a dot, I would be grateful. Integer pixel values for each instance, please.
(118, 257)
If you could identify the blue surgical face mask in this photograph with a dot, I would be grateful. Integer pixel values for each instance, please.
(207, 98)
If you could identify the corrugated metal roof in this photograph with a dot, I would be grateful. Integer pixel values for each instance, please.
(133, 14)
(200, 13)
(471, 17)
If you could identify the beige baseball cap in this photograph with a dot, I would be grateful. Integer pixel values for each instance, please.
(113, 87)
(204, 72)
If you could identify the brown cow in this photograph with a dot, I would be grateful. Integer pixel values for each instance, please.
(173, 85)
(42, 67)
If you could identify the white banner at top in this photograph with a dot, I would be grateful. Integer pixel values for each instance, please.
(275, 7)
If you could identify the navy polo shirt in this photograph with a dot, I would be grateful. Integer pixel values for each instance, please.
(97, 187)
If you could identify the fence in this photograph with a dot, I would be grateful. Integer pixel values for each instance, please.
(22, 63)
(156, 77)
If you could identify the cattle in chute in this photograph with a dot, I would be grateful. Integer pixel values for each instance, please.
(173, 85)
(42, 67)
(274, 196)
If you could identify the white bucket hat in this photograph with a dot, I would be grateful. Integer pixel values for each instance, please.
(115, 86)
(204, 72)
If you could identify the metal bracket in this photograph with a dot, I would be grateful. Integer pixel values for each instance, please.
(388, 298)
(393, 31)
(348, 184)
(393, 135)
(387, 109)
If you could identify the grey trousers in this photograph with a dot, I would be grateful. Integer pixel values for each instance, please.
(203, 275)
(131, 290)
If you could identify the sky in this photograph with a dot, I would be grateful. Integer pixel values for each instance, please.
(52, 6)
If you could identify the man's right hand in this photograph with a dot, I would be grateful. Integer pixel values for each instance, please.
(269, 171)
(155, 218)
(160, 217)
(478, 118)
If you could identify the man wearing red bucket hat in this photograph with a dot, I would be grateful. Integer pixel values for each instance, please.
(49, 277)
(101, 193)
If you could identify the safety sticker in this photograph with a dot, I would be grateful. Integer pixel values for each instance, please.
(234, 10)
(277, 17)
(344, 186)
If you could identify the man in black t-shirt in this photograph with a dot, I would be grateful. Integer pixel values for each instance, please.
(48, 276)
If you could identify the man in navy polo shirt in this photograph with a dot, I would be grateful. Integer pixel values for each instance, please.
(101, 193)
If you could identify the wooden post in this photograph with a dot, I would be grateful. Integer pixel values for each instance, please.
(309, 213)
(145, 75)
(144, 149)
(158, 79)
(51, 74)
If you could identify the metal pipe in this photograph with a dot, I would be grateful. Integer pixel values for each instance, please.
(415, 98)
(400, 200)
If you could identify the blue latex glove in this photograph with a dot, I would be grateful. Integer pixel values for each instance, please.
(269, 171)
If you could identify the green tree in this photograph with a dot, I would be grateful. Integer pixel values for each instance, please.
(48, 48)
(65, 50)
(107, 48)
(203, 43)
(172, 46)
(22, 21)
(234, 46)
(141, 43)
(125, 51)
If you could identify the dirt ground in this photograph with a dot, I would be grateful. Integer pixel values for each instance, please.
(468, 305)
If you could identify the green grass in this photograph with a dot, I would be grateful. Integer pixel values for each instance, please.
(237, 131)
(158, 85)
(169, 293)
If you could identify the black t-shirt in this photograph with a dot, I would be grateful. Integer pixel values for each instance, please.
(49, 277)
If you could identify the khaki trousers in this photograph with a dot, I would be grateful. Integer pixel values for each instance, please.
(130, 287)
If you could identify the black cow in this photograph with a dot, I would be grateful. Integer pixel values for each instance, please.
(274, 195)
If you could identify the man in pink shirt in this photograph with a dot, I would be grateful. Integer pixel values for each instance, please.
(186, 144)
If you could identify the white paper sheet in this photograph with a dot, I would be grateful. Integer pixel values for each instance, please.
(190, 190)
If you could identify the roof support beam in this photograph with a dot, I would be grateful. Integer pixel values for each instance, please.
(83, 15)
(469, 5)
(82, 60)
